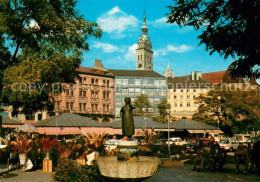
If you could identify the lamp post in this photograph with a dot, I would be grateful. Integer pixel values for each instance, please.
(168, 107)
(145, 118)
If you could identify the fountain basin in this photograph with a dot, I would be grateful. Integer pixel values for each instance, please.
(112, 168)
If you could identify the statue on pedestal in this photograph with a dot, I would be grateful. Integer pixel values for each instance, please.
(127, 118)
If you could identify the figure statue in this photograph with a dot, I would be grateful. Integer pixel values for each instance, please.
(127, 118)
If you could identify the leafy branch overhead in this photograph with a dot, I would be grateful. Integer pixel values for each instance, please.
(40, 42)
(229, 27)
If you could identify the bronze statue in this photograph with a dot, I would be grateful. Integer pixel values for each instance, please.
(127, 118)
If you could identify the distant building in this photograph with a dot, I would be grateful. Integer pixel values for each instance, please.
(223, 77)
(182, 92)
(131, 83)
(92, 95)
(168, 73)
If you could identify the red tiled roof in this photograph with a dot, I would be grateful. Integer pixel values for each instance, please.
(93, 71)
(224, 77)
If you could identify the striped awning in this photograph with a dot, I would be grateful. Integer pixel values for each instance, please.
(80, 130)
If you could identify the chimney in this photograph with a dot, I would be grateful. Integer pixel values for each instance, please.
(198, 75)
(98, 63)
(192, 75)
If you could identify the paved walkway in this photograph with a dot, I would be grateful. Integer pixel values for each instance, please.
(163, 175)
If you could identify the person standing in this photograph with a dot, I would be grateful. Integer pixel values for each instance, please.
(241, 156)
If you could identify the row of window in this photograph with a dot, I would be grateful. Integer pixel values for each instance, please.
(82, 106)
(138, 82)
(188, 104)
(138, 91)
(187, 90)
(94, 81)
(83, 93)
(182, 97)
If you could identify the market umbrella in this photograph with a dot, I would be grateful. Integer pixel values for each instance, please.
(27, 128)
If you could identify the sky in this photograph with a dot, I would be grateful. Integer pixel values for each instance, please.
(121, 22)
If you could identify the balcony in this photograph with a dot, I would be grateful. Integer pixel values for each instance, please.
(95, 100)
(57, 97)
(107, 101)
(83, 98)
(69, 98)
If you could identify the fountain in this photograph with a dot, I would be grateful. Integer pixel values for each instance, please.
(128, 164)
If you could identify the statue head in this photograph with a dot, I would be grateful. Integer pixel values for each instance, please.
(127, 100)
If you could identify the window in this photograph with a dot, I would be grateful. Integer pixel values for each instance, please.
(107, 108)
(84, 93)
(131, 90)
(84, 106)
(188, 96)
(137, 90)
(118, 81)
(107, 95)
(92, 81)
(150, 91)
(71, 106)
(80, 106)
(67, 105)
(144, 82)
(156, 92)
(80, 92)
(181, 90)
(104, 95)
(80, 79)
(144, 91)
(150, 82)
(163, 82)
(92, 107)
(175, 97)
(137, 82)
(124, 91)
(92, 94)
(84, 80)
(181, 104)
(124, 82)
(131, 81)
(107, 83)
(156, 82)
(188, 104)
(174, 90)
(163, 92)
(104, 108)
(104, 82)
(194, 90)
(96, 107)
(96, 81)
(194, 96)
(175, 104)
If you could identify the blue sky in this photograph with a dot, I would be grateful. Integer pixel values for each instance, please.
(121, 21)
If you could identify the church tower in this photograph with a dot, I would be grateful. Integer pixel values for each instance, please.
(168, 73)
(144, 53)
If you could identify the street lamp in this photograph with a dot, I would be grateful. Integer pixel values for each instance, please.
(168, 107)
(145, 118)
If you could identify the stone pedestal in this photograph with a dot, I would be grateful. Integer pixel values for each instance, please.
(128, 151)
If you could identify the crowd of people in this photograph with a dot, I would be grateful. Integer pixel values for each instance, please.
(214, 156)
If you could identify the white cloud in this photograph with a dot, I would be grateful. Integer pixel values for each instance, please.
(116, 22)
(114, 10)
(108, 48)
(172, 48)
(179, 49)
(131, 52)
(161, 23)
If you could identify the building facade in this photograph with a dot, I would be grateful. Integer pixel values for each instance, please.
(131, 83)
(182, 92)
(92, 95)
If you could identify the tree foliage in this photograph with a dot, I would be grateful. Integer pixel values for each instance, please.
(236, 110)
(141, 102)
(41, 42)
(229, 27)
(162, 108)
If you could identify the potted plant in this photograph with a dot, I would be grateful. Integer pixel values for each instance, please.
(47, 144)
(22, 146)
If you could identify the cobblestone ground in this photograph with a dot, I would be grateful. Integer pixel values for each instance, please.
(163, 175)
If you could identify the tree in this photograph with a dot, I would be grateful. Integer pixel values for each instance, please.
(162, 107)
(41, 43)
(236, 110)
(141, 102)
(230, 27)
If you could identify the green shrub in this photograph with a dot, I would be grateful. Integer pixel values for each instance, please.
(71, 170)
